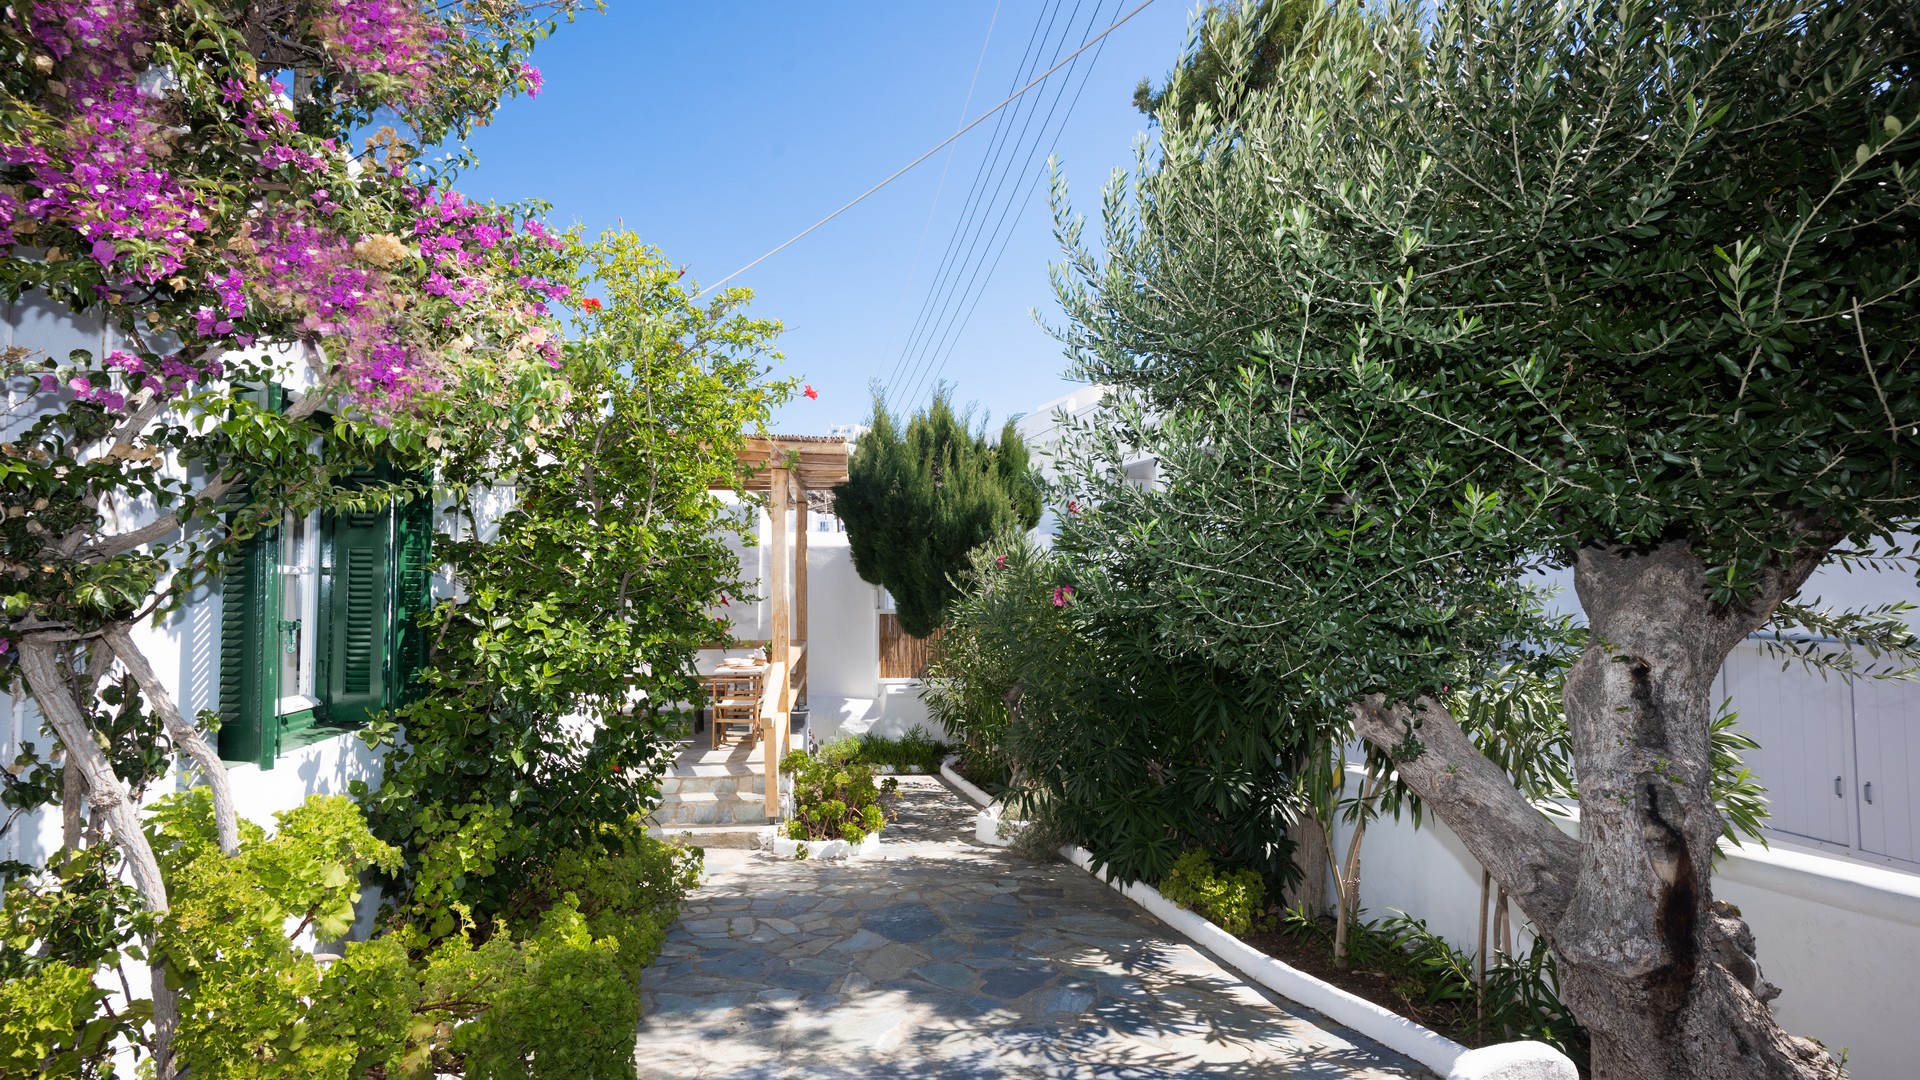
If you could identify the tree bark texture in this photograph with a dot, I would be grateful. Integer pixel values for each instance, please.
(213, 771)
(1664, 979)
(53, 693)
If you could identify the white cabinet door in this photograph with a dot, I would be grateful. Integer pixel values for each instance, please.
(1800, 721)
(1887, 750)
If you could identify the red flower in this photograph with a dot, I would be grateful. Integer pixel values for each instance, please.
(724, 601)
(1000, 563)
(589, 304)
(1073, 506)
(812, 394)
(616, 768)
(1062, 595)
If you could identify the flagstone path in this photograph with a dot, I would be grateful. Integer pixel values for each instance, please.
(954, 959)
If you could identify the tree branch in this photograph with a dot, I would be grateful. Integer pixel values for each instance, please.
(1510, 837)
(120, 640)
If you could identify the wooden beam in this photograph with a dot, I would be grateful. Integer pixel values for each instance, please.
(781, 613)
(800, 579)
(773, 736)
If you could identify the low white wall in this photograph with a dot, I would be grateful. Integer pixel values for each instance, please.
(1840, 938)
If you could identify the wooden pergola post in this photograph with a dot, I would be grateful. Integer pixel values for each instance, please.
(773, 725)
(798, 673)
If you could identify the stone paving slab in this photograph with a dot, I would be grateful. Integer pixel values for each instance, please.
(949, 958)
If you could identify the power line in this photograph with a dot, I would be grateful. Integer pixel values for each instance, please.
(904, 169)
(944, 337)
(988, 165)
(966, 104)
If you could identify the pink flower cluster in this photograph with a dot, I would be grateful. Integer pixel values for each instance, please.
(104, 181)
(385, 37)
(167, 378)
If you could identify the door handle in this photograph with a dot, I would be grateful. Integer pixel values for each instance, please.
(1836, 788)
(1869, 792)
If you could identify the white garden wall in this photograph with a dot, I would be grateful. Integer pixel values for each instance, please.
(1840, 938)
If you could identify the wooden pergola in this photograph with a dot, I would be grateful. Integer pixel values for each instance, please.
(785, 468)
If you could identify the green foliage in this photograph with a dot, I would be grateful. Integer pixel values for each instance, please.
(1737, 793)
(1234, 901)
(1235, 49)
(589, 603)
(835, 801)
(916, 501)
(52, 1023)
(1518, 999)
(252, 1003)
(560, 1001)
(916, 751)
(1109, 743)
(563, 1007)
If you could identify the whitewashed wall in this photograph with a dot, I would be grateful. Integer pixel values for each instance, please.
(1841, 939)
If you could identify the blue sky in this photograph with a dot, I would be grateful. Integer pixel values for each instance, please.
(716, 131)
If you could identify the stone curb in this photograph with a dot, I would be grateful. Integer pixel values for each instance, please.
(1390, 1029)
(987, 826)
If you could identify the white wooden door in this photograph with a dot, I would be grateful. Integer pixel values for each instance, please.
(1887, 758)
(1800, 721)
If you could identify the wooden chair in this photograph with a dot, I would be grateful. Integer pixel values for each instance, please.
(736, 706)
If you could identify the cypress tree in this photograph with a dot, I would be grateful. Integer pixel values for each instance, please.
(917, 500)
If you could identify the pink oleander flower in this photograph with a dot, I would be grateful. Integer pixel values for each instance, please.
(1000, 562)
(1073, 507)
(1062, 595)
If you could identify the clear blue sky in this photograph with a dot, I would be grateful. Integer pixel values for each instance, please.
(716, 131)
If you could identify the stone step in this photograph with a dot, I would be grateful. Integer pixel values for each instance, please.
(712, 783)
(711, 808)
(711, 836)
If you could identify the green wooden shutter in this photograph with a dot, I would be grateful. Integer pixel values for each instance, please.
(412, 594)
(357, 606)
(249, 660)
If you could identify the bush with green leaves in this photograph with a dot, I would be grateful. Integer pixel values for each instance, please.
(1235, 901)
(551, 992)
(915, 752)
(1109, 743)
(835, 800)
(562, 669)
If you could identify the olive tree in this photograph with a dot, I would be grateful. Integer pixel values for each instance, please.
(1471, 291)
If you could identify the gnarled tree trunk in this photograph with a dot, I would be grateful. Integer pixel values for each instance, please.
(1665, 979)
(53, 692)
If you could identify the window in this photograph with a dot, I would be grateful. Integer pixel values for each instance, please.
(317, 626)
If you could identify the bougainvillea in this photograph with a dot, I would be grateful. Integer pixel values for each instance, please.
(193, 182)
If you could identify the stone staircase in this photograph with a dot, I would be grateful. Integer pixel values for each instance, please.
(709, 795)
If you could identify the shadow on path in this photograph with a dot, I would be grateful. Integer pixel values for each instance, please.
(949, 958)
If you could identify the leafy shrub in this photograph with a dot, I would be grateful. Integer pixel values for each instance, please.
(916, 751)
(52, 1024)
(484, 1001)
(1518, 999)
(1233, 901)
(835, 801)
(1109, 743)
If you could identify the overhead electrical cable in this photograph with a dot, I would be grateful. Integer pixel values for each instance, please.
(919, 247)
(941, 145)
(989, 164)
(951, 343)
(944, 337)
